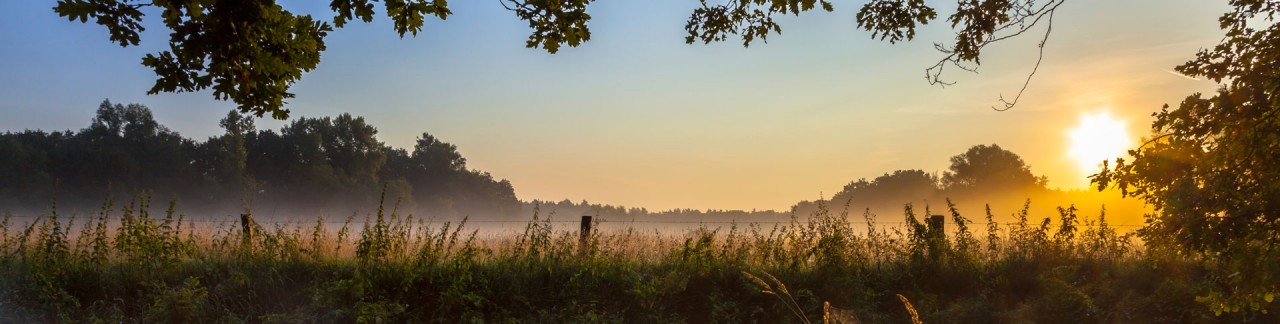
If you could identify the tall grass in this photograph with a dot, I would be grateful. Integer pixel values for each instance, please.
(124, 264)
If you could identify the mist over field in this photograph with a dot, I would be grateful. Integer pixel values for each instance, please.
(337, 168)
(607, 161)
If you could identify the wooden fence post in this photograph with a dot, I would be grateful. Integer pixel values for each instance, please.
(246, 228)
(936, 227)
(584, 235)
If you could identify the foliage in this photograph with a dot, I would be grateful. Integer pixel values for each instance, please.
(990, 168)
(750, 19)
(898, 187)
(251, 52)
(123, 147)
(983, 174)
(985, 170)
(1210, 168)
(554, 22)
(231, 157)
(894, 20)
(319, 162)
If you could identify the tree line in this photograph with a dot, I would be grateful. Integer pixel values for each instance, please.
(982, 177)
(309, 165)
(337, 164)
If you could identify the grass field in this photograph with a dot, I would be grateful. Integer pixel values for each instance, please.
(125, 265)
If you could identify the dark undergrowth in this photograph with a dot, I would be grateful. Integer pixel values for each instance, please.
(125, 265)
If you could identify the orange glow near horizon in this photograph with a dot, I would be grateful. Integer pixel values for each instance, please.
(1097, 137)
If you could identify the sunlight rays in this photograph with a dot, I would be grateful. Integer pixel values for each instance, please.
(1098, 136)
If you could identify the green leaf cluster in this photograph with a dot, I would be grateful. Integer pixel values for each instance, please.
(554, 22)
(894, 20)
(750, 19)
(251, 52)
(1212, 166)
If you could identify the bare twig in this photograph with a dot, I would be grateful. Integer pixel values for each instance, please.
(1025, 17)
(1008, 104)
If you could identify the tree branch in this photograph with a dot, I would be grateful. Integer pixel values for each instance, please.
(1009, 105)
(1025, 17)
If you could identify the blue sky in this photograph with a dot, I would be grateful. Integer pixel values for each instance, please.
(637, 117)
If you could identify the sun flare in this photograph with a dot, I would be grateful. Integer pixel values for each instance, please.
(1097, 137)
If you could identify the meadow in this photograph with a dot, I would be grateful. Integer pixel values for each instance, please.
(125, 264)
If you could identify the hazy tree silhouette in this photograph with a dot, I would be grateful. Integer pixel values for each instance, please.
(983, 174)
(319, 162)
(125, 147)
(989, 169)
(438, 174)
(232, 155)
(894, 189)
(25, 164)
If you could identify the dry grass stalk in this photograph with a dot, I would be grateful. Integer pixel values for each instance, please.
(833, 315)
(915, 317)
(778, 290)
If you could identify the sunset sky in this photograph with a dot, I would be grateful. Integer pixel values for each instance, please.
(636, 117)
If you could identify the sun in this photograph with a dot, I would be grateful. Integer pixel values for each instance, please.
(1098, 137)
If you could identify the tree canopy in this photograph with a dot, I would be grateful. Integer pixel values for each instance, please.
(901, 186)
(990, 168)
(981, 175)
(251, 52)
(1212, 166)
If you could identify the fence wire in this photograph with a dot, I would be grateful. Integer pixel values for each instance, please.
(361, 220)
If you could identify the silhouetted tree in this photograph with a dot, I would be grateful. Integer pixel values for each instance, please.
(896, 189)
(233, 156)
(442, 184)
(354, 149)
(312, 163)
(125, 147)
(26, 171)
(990, 169)
(1212, 166)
